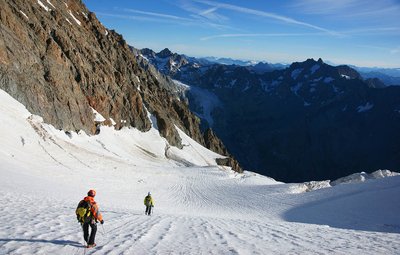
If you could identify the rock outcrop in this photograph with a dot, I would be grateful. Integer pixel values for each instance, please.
(215, 144)
(60, 62)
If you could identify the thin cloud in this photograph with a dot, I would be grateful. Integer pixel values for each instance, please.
(266, 15)
(257, 35)
(372, 31)
(324, 7)
(211, 10)
(395, 51)
(381, 11)
(386, 50)
(159, 15)
(206, 22)
(130, 17)
(349, 8)
(367, 17)
(209, 14)
(163, 18)
(205, 18)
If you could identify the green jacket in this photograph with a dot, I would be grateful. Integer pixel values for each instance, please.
(148, 201)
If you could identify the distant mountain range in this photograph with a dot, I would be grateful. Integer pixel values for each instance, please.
(389, 76)
(309, 120)
(255, 65)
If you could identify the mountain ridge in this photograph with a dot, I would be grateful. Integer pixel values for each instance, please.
(310, 120)
(62, 64)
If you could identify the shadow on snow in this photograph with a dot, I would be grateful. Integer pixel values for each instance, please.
(353, 207)
(57, 242)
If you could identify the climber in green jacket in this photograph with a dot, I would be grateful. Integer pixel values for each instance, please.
(148, 202)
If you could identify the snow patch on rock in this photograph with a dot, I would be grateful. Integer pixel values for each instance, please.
(43, 6)
(76, 20)
(97, 116)
(24, 14)
(51, 4)
(296, 72)
(314, 68)
(363, 108)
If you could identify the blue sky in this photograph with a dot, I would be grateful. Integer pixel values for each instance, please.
(359, 32)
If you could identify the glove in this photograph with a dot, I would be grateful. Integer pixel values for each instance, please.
(102, 222)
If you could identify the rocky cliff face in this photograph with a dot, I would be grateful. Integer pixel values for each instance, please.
(60, 62)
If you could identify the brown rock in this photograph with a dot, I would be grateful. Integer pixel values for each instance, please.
(60, 68)
(213, 143)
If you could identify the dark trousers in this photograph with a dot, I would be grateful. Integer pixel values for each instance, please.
(148, 209)
(85, 226)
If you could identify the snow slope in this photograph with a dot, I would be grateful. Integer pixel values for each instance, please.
(200, 208)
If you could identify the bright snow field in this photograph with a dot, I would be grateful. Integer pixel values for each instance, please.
(200, 208)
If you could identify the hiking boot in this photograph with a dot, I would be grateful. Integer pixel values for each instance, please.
(91, 245)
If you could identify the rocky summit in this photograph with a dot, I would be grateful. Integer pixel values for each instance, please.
(60, 62)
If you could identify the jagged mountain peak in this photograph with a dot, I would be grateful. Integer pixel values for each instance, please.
(148, 52)
(168, 62)
(165, 53)
(312, 68)
(307, 63)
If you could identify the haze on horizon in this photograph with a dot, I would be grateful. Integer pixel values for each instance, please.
(358, 32)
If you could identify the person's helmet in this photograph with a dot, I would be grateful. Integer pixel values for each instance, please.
(91, 193)
(149, 193)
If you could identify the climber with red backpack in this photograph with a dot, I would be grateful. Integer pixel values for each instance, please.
(88, 214)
